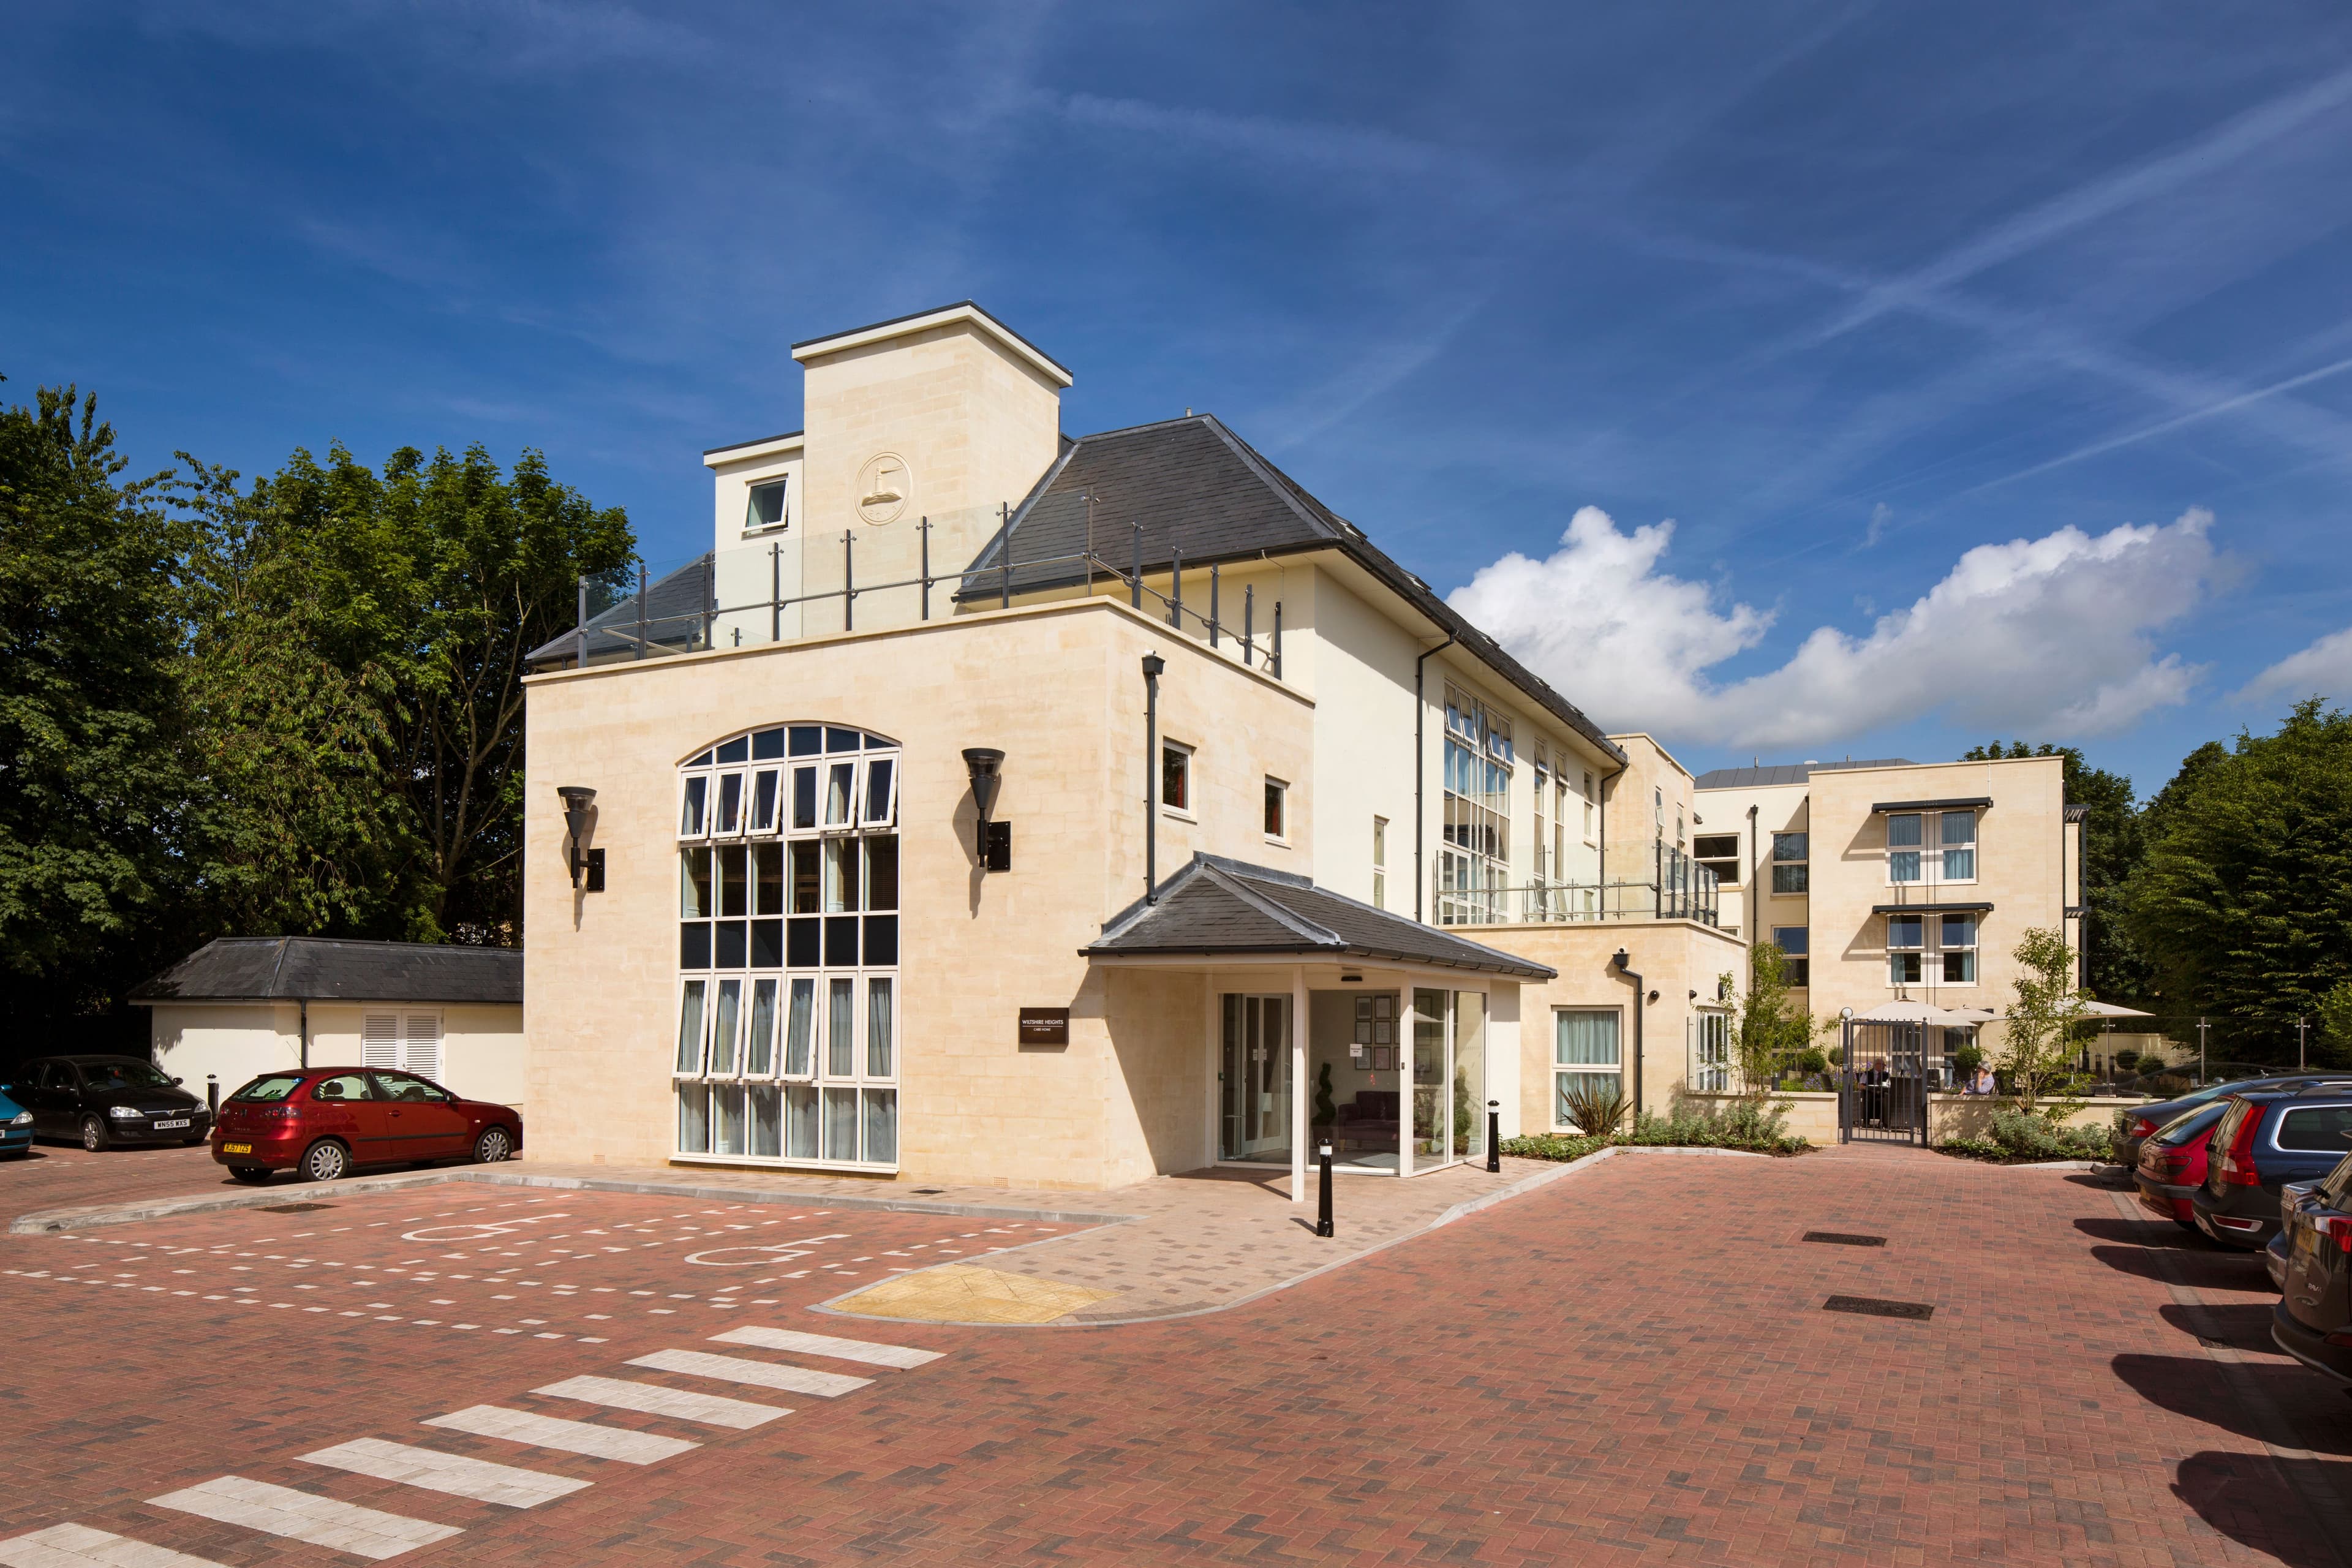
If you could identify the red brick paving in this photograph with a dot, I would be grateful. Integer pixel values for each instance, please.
(1630, 1365)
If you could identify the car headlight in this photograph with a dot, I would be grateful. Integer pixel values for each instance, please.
(21, 1119)
(123, 1113)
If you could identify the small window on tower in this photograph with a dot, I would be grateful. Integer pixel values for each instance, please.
(767, 509)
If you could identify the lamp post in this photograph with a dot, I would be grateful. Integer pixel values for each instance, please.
(578, 801)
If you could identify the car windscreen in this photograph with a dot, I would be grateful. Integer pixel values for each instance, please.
(103, 1075)
(2189, 1127)
(276, 1086)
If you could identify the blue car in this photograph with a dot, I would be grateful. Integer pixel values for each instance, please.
(15, 1130)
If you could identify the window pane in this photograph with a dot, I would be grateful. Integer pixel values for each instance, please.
(734, 880)
(841, 1124)
(763, 802)
(1903, 830)
(760, 1048)
(1789, 846)
(843, 739)
(881, 941)
(738, 750)
(804, 797)
(1273, 804)
(841, 942)
(804, 941)
(841, 1028)
(881, 1126)
(1903, 866)
(767, 1126)
(1960, 930)
(768, 879)
(722, 1028)
(807, 741)
(1790, 878)
(1959, 828)
(882, 873)
(1715, 846)
(729, 944)
(881, 773)
(1959, 865)
(1584, 1039)
(767, 944)
(804, 879)
(694, 945)
(689, 821)
(1903, 930)
(730, 803)
(727, 1105)
(694, 884)
(767, 745)
(1175, 778)
(767, 506)
(1903, 968)
(1960, 968)
(799, 1031)
(1565, 1083)
(878, 1028)
(840, 788)
(841, 859)
(694, 1119)
(1791, 940)
(800, 1122)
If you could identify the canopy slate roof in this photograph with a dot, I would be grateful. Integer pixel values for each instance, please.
(1212, 907)
(325, 969)
(1194, 486)
(675, 604)
(1788, 773)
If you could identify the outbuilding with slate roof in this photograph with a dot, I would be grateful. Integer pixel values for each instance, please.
(241, 1006)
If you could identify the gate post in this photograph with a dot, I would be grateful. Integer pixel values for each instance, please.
(1845, 1075)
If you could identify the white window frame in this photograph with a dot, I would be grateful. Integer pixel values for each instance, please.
(1279, 790)
(1589, 812)
(1560, 1070)
(1187, 812)
(751, 488)
(1380, 862)
(1918, 950)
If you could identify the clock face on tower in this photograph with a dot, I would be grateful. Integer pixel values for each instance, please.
(884, 484)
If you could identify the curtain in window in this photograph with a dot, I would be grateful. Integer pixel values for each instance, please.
(689, 1029)
(1584, 1039)
(878, 1028)
(799, 1031)
(841, 1024)
(760, 1049)
(881, 1125)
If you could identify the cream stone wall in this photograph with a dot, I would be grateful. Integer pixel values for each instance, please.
(2020, 848)
(756, 569)
(1058, 688)
(1780, 809)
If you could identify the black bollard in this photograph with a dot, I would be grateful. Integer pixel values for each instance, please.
(1493, 1135)
(1323, 1201)
(212, 1092)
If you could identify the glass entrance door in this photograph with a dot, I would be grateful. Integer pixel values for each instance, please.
(1253, 1086)
(1449, 1076)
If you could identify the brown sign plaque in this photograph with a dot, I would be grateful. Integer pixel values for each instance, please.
(1044, 1026)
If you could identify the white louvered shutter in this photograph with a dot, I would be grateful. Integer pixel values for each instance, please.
(423, 1044)
(380, 1040)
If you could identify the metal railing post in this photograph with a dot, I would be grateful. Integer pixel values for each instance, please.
(1249, 621)
(775, 593)
(579, 639)
(709, 600)
(923, 532)
(848, 582)
(640, 607)
(1276, 666)
(1212, 606)
(1005, 602)
(1176, 598)
(1135, 584)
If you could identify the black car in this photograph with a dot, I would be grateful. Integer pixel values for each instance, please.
(2264, 1141)
(101, 1102)
(2312, 1321)
(2146, 1118)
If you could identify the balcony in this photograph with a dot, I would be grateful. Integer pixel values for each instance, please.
(1676, 888)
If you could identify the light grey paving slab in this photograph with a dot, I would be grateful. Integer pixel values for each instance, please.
(78, 1546)
(570, 1436)
(653, 1399)
(306, 1516)
(457, 1474)
(758, 1374)
(827, 1345)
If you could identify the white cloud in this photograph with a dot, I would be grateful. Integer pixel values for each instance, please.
(2324, 669)
(2054, 633)
(1880, 516)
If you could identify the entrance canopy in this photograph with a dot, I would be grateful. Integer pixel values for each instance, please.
(1215, 908)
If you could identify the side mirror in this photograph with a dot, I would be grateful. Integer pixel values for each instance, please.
(178, 1081)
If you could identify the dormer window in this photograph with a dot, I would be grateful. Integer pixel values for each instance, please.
(767, 510)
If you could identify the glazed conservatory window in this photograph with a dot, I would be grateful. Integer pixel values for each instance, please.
(1473, 862)
(788, 949)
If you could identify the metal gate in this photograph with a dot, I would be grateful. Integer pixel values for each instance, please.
(1883, 1084)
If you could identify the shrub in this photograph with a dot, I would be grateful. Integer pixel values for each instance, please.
(2127, 1059)
(2020, 1136)
(1760, 1127)
(1597, 1105)
(1967, 1059)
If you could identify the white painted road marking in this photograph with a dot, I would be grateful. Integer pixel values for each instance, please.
(77, 1546)
(570, 1436)
(759, 1374)
(653, 1399)
(306, 1516)
(826, 1345)
(454, 1473)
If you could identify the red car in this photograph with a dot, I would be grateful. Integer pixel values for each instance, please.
(2172, 1163)
(326, 1121)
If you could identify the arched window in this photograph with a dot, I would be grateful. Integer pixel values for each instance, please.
(788, 947)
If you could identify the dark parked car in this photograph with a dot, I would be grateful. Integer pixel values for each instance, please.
(2146, 1118)
(101, 1102)
(2312, 1321)
(2264, 1142)
(324, 1121)
(15, 1130)
(2172, 1163)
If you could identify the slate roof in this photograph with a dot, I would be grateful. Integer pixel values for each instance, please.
(674, 610)
(325, 969)
(1788, 773)
(1214, 907)
(1195, 486)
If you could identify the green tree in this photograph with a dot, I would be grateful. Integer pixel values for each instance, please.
(2114, 968)
(2244, 899)
(2335, 1045)
(2041, 1036)
(1767, 1031)
(89, 712)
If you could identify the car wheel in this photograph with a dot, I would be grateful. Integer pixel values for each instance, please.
(93, 1133)
(253, 1175)
(2188, 1224)
(493, 1146)
(326, 1161)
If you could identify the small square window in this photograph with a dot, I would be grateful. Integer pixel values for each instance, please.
(1788, 847)
(1793, 941)
(1277, 805)
(1176, 777)
(767, 507)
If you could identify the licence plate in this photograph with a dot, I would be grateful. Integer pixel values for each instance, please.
(237, 1148)
(167, 1126)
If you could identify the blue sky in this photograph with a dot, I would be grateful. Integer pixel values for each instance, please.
(1993, 361)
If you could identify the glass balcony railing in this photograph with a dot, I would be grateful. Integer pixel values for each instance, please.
(1675, 887)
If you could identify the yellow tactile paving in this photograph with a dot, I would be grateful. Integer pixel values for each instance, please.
(968, 1293)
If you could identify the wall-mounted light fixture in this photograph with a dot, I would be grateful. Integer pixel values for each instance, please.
(578, 804)
(994, 839)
